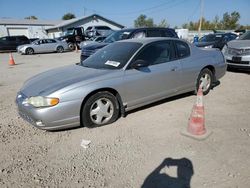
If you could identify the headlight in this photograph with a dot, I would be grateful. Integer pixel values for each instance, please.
(224, 49)
(40, 101)
(210, 46)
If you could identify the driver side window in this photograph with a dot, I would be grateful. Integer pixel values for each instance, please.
(156, 53)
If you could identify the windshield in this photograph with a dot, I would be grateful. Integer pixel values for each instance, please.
(210, 38)
(69, 32)
(245, 36)
(118, 35)
(113, 56)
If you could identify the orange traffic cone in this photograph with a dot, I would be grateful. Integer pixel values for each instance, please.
(11, 61)
(196, 125)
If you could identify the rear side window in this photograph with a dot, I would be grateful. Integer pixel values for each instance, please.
(166, 33)
(153, 33)
(183, 49)
(12, 39)
(22, 38)
(139, 34)
(157, 53)
(50, 41)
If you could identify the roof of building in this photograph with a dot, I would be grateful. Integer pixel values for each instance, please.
(71, 21)
(10, 21)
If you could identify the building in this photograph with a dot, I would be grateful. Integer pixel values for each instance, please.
(28, 27)
(51, 29)
(93, 20)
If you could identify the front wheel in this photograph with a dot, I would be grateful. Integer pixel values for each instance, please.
(100, 109)
(71, 46)
(60, 49)
(205, 79)
(29, 51)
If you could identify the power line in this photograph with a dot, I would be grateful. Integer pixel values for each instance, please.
(134, 12)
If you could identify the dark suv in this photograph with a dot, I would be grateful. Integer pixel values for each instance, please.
(90, 49)
(10, 43)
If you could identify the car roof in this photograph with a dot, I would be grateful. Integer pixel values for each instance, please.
(147, 40)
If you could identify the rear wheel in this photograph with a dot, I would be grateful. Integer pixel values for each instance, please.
(29, 51)
(71, 46)
(59, 49)
(205, 79)
(100, 109)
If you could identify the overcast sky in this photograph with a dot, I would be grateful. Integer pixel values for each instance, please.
(176, 12)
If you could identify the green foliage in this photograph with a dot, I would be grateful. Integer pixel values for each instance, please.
(31, 18)
(143, 21)
(163, 23)
(229, 21)
(68, 16)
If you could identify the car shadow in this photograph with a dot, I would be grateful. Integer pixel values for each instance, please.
(161, 102)
(160, 179)
(234, 70)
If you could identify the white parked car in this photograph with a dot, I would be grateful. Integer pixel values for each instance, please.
(42, 46)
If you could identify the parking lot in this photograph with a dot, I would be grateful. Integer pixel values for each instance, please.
(129, 152)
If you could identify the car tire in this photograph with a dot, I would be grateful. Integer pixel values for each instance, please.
(206, 78)
(71, 46)
(29, 51)
(100, 109)
(60, 49)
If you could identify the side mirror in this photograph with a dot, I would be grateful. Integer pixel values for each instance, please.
(139, 64)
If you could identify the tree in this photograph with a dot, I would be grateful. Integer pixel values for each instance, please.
(68, 16)
(31, 18)
(163, 23)
(143, 21)
(230, 21)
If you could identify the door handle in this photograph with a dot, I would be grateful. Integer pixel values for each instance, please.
(174, 68)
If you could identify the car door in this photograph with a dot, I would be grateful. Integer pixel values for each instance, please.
(11, 43)
(189, 66)
(159, 80)
(51, 45)
(38, 46)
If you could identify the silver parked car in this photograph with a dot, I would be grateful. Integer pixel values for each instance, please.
(95, 40)
(120, 77)
(237, 52)
(42, 46)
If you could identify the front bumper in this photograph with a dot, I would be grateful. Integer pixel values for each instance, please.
(57, 117)
(242, 62)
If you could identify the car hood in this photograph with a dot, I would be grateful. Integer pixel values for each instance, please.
(48, 82)
(95, 46)
(238, 44)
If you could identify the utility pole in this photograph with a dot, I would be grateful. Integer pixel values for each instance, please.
(201, 17)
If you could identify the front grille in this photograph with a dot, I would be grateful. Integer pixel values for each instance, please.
(238, 62)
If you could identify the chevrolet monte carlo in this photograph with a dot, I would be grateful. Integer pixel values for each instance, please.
(120, 77)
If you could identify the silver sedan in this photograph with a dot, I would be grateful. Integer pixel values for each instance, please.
(120, 77)
(42, 46)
